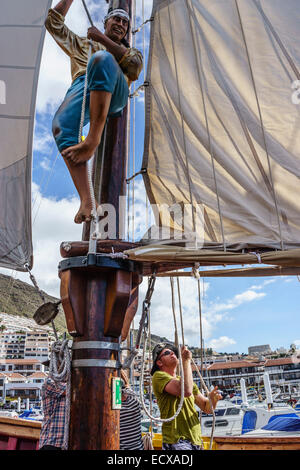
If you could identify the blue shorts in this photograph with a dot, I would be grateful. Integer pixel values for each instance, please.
(104, 74)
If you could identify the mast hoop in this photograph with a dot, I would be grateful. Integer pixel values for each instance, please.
(96, 345)
(110, 364)
(98, 261)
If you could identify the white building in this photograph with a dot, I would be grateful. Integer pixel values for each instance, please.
(12, 345)
(21, 378)
(26, 345)
(37, 345)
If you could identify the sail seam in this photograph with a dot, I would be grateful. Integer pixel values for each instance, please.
(6, 116)
(182, 121)
(277, 39)
(17, 67)
(207, 127)
(262, 125)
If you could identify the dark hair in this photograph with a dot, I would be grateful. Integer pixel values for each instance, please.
(157, 351)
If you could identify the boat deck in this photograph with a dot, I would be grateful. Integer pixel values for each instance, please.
(19, 434)
(22, 434)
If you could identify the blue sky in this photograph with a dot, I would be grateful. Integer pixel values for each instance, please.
(237, 313)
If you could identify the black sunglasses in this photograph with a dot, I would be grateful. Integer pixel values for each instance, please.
(166, 353)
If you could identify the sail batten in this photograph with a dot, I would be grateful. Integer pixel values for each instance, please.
(22, 34)
(223, 127)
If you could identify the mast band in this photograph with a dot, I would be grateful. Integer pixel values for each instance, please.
(96, 363)
(96, 345)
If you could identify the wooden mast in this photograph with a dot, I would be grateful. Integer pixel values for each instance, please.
(96, 293)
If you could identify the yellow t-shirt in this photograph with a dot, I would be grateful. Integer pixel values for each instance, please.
(186, 425)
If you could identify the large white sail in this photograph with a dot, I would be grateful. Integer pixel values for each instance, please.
(222, 118)
(21, 37)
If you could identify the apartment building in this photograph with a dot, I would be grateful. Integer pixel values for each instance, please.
(227, 375)
(22, 366)
(37, 345)
(26, 345)
(12, 345)
(21, 378)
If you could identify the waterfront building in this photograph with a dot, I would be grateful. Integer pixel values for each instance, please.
(227, 375)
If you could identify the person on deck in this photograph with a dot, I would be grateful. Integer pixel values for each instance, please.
(184, 432)
(112, 67)
(54, 410)
(130, 418)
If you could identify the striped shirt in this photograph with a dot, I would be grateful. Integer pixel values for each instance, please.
(130, 424)
(54, 406)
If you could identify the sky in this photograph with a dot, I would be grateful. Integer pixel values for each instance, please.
(236, 313)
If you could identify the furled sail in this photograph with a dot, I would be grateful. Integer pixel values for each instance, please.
(21, 37)
(222, 120)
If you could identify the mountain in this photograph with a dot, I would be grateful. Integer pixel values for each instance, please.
(22, 299)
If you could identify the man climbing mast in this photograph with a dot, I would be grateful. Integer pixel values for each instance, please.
(110, 70)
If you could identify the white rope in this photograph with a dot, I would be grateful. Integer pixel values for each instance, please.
(197, 370)
(163, 420)
(93, 200)
(153, 418)
(196, 367)
(60, 371)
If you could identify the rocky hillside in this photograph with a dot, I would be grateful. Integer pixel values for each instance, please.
(22, 299)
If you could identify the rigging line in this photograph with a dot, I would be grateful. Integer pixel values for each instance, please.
(262, 125)
(142, 25)
(40, 186)
(207, 124)
(164, 420)
(180, 310)
(144, 78)
(128, 166)
(201, 373)
(44, 189)
(200, 322)
(182, 120)
(133, 137)
(150, 381)
(278, 40)
(10, 286)
(88, 13)
(142, 171)
(128, 161)
(196, 368)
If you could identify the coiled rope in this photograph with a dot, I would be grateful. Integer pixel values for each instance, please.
(60, 371)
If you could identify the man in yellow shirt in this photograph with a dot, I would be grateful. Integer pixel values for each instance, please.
(184, 432)
(111, 69)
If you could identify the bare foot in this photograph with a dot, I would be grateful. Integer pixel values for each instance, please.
(80, 153)
(85, 212)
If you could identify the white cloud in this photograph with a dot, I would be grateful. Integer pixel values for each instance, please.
(246, 296)
(53, 225)
(263, 284)
(236, 301)
(46, 164)
(221, 343)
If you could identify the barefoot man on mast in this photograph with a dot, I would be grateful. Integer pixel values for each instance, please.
(110, 71)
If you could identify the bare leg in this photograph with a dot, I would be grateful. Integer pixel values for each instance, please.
(79, 176)
(99, 107)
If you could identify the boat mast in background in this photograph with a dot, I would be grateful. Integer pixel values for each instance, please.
(95, 292)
